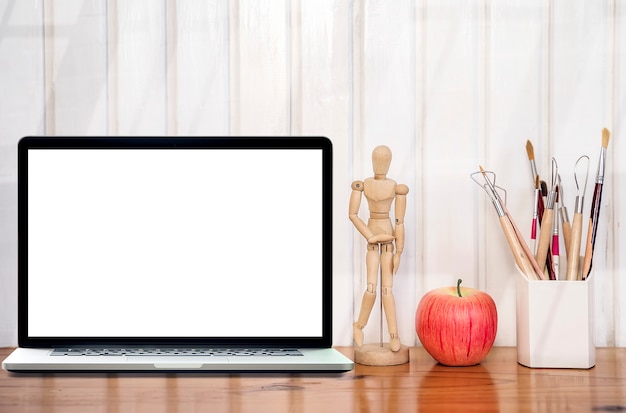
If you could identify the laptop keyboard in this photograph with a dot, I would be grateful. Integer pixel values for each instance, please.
(228, 352)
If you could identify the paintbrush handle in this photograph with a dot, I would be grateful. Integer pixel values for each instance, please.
(588, 250)
(518, 253)
(544, 236)
(540, 208)
(574, 248)
(593, 228)
(566, 229)
(527, 252)
(520, 238)
(548, 263)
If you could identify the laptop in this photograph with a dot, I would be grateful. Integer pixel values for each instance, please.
(175, 254)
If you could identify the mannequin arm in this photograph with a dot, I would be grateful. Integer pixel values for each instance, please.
(400, 211)
(353, 213)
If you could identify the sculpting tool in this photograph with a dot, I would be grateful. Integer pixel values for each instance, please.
(577, 223)
(522, 259)
(566, 227)
(520, 238)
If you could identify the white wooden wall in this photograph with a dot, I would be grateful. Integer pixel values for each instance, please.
(447, 85)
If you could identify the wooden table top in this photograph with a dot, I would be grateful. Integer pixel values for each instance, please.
(498, 384)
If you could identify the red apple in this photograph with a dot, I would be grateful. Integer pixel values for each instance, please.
(457, 325)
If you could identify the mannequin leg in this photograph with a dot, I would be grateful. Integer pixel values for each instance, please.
(372, 261)
(389, 302)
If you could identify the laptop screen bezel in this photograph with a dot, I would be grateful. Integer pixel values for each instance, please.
(261, 142)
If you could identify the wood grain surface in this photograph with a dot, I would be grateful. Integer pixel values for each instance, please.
(498, 384)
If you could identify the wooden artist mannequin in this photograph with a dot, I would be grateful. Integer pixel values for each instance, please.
(380, 192)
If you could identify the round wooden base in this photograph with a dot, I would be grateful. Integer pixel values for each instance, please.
(377, 355)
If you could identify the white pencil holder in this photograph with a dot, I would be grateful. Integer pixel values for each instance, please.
(555, 323)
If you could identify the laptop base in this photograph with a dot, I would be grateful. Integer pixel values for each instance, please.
(42, 360)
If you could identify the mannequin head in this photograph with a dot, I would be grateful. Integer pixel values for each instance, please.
(381, 159)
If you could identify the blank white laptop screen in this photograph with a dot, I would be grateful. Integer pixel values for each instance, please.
(174, 243)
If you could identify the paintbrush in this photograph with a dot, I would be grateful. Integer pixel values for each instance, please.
(554, 248)
(540, 210)
(595, 206)
(530, 151)
(533, 226)
(543, 245)
(542, 198)
(577, 223)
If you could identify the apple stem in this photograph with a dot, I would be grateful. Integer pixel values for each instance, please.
(458, 287)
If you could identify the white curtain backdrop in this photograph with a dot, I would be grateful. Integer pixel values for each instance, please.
(447, 85)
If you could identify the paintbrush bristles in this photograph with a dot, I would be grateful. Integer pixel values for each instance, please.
(605, 138)
(530, 150)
